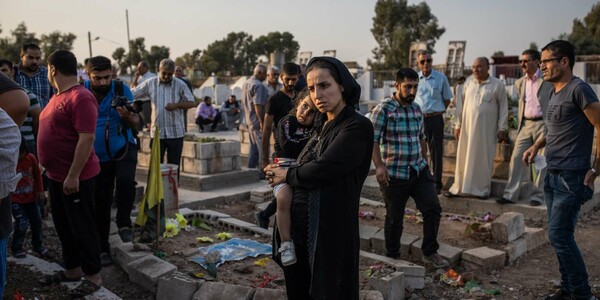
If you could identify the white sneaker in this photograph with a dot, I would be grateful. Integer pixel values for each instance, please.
(288, 253)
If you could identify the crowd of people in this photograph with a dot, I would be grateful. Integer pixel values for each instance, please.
(77, 140)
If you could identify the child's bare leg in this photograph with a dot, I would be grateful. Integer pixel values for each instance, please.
(284, 205)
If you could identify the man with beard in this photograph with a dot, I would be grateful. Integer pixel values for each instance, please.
(29, 74)
(278, 106)
(169, 99)
(116, 149)
(399, 152)
(273, 85)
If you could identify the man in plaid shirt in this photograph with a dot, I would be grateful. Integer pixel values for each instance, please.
(401, 170)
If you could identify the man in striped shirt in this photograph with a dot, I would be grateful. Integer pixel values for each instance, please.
(398, 154)
(169, 98)
(33, 76)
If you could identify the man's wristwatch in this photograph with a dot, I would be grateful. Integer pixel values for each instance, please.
(594, 171)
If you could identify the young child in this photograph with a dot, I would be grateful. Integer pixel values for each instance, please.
(293, 133)
(26, 204)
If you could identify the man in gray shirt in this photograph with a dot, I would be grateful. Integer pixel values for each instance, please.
(254, 98)
(573, 113)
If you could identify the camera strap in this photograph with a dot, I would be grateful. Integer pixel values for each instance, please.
(118, 87)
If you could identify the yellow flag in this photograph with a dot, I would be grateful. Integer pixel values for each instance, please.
(154, 188)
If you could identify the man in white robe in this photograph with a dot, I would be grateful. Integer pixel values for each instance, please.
(481, 122)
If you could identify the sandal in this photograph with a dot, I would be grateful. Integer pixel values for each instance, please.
(85, 288)
(57, 278)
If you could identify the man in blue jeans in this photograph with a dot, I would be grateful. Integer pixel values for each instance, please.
(573, 113)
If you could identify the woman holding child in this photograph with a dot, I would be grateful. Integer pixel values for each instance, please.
(326, 188)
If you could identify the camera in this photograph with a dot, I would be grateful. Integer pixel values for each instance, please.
(120, 101)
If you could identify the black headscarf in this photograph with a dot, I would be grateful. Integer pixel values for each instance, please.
(351, 93)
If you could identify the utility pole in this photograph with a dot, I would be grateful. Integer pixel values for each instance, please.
(128, 46)
(90, 42)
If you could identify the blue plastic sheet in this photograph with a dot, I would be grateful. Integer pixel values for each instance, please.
(232, 250)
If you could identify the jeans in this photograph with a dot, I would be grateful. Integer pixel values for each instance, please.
(26, 214)
(119, 174)
(564, 193)
(255, 148)
(421, 187)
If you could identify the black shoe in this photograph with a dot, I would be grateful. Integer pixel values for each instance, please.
(483, 197)
(535, 203)
(261, 220)
(561, 294)
(450, 195)
(105, 259)
(126, 234)
(504, 201)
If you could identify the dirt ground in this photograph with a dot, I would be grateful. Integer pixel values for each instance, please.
(533, 276)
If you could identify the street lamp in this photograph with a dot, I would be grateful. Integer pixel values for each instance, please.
(97, 38)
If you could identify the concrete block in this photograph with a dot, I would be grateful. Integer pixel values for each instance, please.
(483, 258)
(177, 286)
(366, 233)
(370, 295)
(450, 253)
(269, 294)
(535, 237)
(508, 227)
(211, 215)
(378, 242)
(220, 291)
(189, 149)
(143, 159)
(515, 249)
(211, 166)
(114, 241)
(406, 242)
(259, 230)
(406, 267)
(145, 145)
(146, 271)
(235, 224)
(124, 254)
(391, 287)
(220, 149)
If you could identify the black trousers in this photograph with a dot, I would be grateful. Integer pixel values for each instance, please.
(173, 148)
(298, 276)
(74, 220)
(119, 174)
(421, 188)
(202, 121)
(434, 131)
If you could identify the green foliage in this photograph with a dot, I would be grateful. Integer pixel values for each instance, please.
(585, 35)
(10, 47)
(533, 46)
(56, 41)
(157, 53)
(198, 223)
(396, 25)
(498, 53)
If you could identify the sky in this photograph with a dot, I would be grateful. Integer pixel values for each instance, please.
(317, 25)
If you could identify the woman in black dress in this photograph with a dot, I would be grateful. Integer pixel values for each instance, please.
(327, 185)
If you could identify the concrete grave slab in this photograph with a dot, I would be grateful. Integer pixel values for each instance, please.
(508, 227)
(483, 258)
(222, 291)
(177, 286)
(146, 271)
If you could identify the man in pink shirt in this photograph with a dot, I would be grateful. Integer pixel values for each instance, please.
(66, 150)
(534, 94)
(207, 114)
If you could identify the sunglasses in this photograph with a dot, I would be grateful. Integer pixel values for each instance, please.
(425, 60)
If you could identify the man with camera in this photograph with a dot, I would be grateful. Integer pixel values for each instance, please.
(116, 148)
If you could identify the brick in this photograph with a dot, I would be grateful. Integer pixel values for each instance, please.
(146, 271)
(220, 291)
(124, 254)
(535, 237)
(515, 249)
(211, 215)
(508, 227)
(269, 294)
(177, 286)
(366, 233)
(391, 287)
(483, 258)
(450, 253)
(235, 224)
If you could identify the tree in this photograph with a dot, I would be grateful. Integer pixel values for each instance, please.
(10, 47)
(533, 46)
(136, 54)
(233, 54)
(585, 36)
(56, 41)
(119, 55)
(280, 41)
(189, 61)
(157, 53)
(396, 25)
(498, 53)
